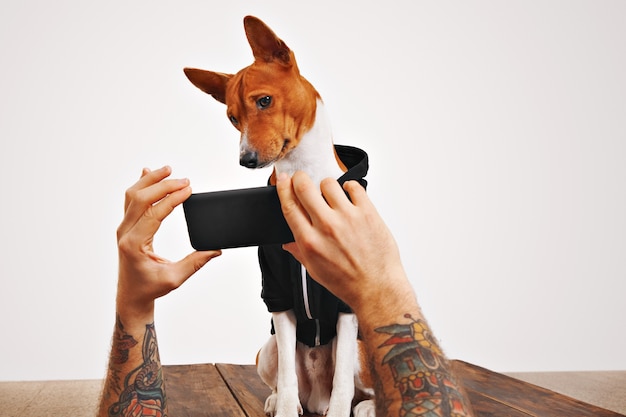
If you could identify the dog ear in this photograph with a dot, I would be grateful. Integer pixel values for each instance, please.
(266, 46)
(213, 83)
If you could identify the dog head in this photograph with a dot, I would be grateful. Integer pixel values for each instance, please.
(269, 102)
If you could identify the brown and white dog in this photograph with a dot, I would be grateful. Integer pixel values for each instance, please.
(282, 122)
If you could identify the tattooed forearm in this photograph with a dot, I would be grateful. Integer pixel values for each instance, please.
(421, 373)
(122, 344)
(142, 392)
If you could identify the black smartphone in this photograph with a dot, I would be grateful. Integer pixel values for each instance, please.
(236, 218)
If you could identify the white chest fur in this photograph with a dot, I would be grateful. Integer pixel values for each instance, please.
(314, 154)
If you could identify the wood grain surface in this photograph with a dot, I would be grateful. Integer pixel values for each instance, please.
(223, 390)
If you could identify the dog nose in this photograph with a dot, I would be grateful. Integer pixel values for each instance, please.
(249, 160)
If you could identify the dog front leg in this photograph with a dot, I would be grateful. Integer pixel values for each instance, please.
(345, 351)
(287, 401)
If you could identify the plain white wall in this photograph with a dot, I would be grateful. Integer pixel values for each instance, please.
(497, 139)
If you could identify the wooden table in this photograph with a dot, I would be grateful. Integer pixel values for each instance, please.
(236, 390)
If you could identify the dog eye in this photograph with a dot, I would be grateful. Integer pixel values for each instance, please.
(233, 120)
(264, 102)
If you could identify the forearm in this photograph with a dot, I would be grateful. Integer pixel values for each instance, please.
(134, 380)
(348, 247)
(409, 369)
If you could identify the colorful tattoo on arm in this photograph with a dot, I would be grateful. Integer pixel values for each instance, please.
(143, 393)
(421, 372)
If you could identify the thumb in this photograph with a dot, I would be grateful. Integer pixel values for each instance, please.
(294, 250)
(192, 263)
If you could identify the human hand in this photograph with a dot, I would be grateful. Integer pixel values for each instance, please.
(344, 244)
(144, 275)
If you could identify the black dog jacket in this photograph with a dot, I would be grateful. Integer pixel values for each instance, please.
(286, 284)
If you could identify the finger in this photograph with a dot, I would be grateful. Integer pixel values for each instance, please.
(296, 217)
(144, 172)
(150, 220)
(143, 201)
(146, 179)
(309, 197)
(333, 194)
(165, 206)
(293, 249)
(357, 193)
(192, 263)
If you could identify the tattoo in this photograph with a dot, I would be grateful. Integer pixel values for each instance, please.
(122, 344)
(421, 373)
(143, 392)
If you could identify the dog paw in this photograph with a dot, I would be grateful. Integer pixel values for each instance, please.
(270, 405)
(340, 403)
(283, 407)
(334, 412)
(365, 408)
(338, 411)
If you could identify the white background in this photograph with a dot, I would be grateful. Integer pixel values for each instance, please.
(497, 140)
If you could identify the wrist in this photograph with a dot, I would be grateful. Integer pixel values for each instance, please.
(130, 302)
(390, 298)
(134, 312)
